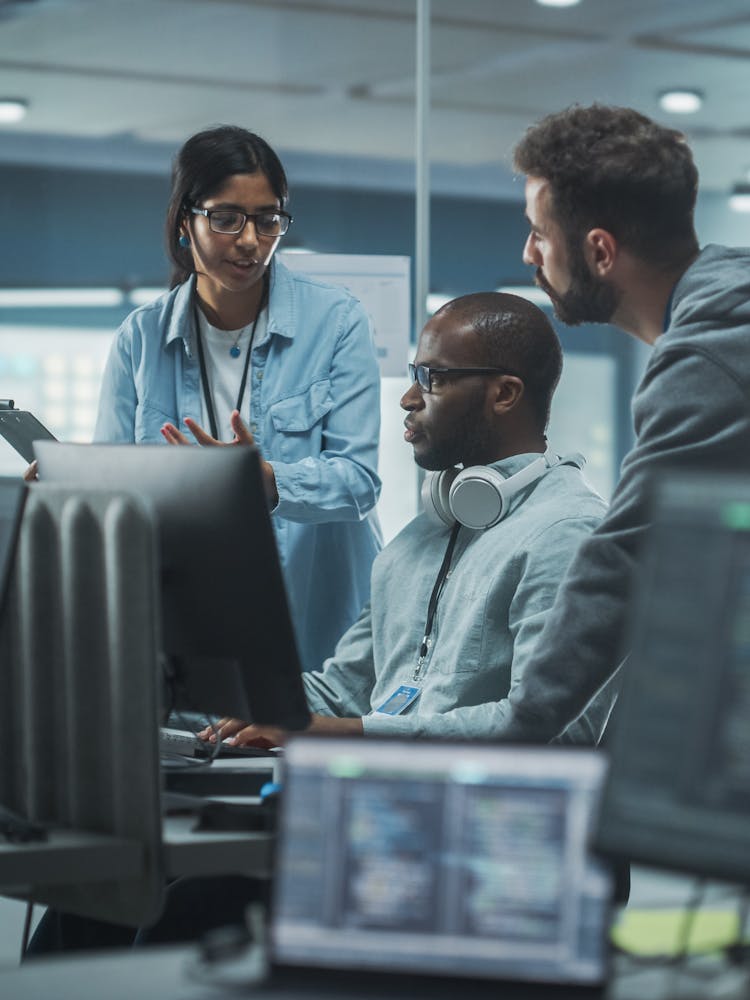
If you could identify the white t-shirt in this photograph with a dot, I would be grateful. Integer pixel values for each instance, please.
(225, 372)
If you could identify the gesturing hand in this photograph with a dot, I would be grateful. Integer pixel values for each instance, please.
(242, 436)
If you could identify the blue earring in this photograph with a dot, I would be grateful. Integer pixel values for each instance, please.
(184, 241)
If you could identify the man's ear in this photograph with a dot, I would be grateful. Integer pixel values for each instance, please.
(600, 250)
(506, 393)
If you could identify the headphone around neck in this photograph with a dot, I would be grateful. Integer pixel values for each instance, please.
(479, 496)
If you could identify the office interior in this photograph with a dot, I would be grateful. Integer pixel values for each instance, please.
(106, 91)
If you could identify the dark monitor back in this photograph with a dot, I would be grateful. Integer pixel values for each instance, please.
(678, 791)
(226, 624)
(12, 497)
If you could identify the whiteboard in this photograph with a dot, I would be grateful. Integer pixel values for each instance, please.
(381, 283)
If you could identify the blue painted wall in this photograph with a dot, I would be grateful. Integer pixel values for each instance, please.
(92, 228)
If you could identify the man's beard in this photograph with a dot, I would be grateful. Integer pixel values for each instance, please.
(470, 441)
(588, 299)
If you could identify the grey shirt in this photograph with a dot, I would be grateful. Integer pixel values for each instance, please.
(501, 584)
(691, 410)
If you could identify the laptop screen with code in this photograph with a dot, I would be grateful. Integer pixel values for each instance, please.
(441, 858)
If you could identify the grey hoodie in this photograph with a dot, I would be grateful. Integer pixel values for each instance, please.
(691, 410)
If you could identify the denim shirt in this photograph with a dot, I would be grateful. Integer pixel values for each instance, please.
(314, 411)
(496, 597)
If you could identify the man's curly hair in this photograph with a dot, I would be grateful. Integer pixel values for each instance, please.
(616, 169)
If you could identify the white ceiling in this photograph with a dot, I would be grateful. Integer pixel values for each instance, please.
(120, 83)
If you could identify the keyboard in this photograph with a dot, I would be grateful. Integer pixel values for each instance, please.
(183, 742)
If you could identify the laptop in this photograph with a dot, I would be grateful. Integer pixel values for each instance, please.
(401, 861)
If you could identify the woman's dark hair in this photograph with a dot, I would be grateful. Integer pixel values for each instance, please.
(201, 167)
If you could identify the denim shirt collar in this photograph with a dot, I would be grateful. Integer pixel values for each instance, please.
(282, 303)
(509, 466)
(281, 308)
(181, 319)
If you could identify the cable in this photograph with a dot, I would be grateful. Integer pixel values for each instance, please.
(211, 724)
(686, 925)
(26, 929)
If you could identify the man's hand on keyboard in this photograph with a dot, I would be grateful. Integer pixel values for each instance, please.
(239, 734)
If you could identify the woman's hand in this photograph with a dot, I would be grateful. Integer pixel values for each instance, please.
(32, 472)
(242, 435)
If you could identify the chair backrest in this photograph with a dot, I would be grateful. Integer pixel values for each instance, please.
(80, 692)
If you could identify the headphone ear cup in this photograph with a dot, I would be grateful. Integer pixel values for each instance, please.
(435, 497)
(477, 497)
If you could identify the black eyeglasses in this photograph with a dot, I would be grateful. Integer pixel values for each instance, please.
(422, 374)
(231, 223)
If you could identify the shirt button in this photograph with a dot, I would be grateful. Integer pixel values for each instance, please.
(254, 428)
(259, 375)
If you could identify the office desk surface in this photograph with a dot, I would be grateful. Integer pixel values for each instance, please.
(67, 855)
(174, 974)
(190, 852)
(73, 856)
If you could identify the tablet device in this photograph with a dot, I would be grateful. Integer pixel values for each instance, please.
(21, 429)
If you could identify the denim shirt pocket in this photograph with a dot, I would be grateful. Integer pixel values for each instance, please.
(461, 626)
(149, 420)
(297, 421)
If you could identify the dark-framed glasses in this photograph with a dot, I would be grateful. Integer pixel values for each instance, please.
(422, 374)
(230, 222)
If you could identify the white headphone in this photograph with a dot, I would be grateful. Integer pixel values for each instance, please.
(479, 496)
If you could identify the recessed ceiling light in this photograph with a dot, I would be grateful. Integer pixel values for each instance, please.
(739, 199)
(558, 3)
(681, 101)
(12, 110)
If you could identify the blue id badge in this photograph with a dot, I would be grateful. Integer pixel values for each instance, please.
(399, 701)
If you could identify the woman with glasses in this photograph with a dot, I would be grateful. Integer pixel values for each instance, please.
(244, 350)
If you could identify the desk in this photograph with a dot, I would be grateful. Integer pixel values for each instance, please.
(67, 855)
(72, 856)
(170, 974)
(190, 852)
(76, 869)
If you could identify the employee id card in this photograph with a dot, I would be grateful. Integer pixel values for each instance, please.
(399, 701)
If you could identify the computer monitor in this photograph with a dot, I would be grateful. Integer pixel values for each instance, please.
(678, 792)
(440, 859)
(12, 497)
(227, 635)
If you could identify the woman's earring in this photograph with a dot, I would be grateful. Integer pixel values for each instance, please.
(183, 241)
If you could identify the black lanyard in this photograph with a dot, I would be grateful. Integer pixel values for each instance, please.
(202, 361)
(435, 597)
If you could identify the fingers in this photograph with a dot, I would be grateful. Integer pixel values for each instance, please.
(31, 472)
(258, 736)
(269, 484)
(240, 734)
(241, 432)
(170, 433)
(221, 729)
(199, 434)
(242, 435)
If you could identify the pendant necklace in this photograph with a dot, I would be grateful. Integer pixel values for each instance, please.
(234, 351)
